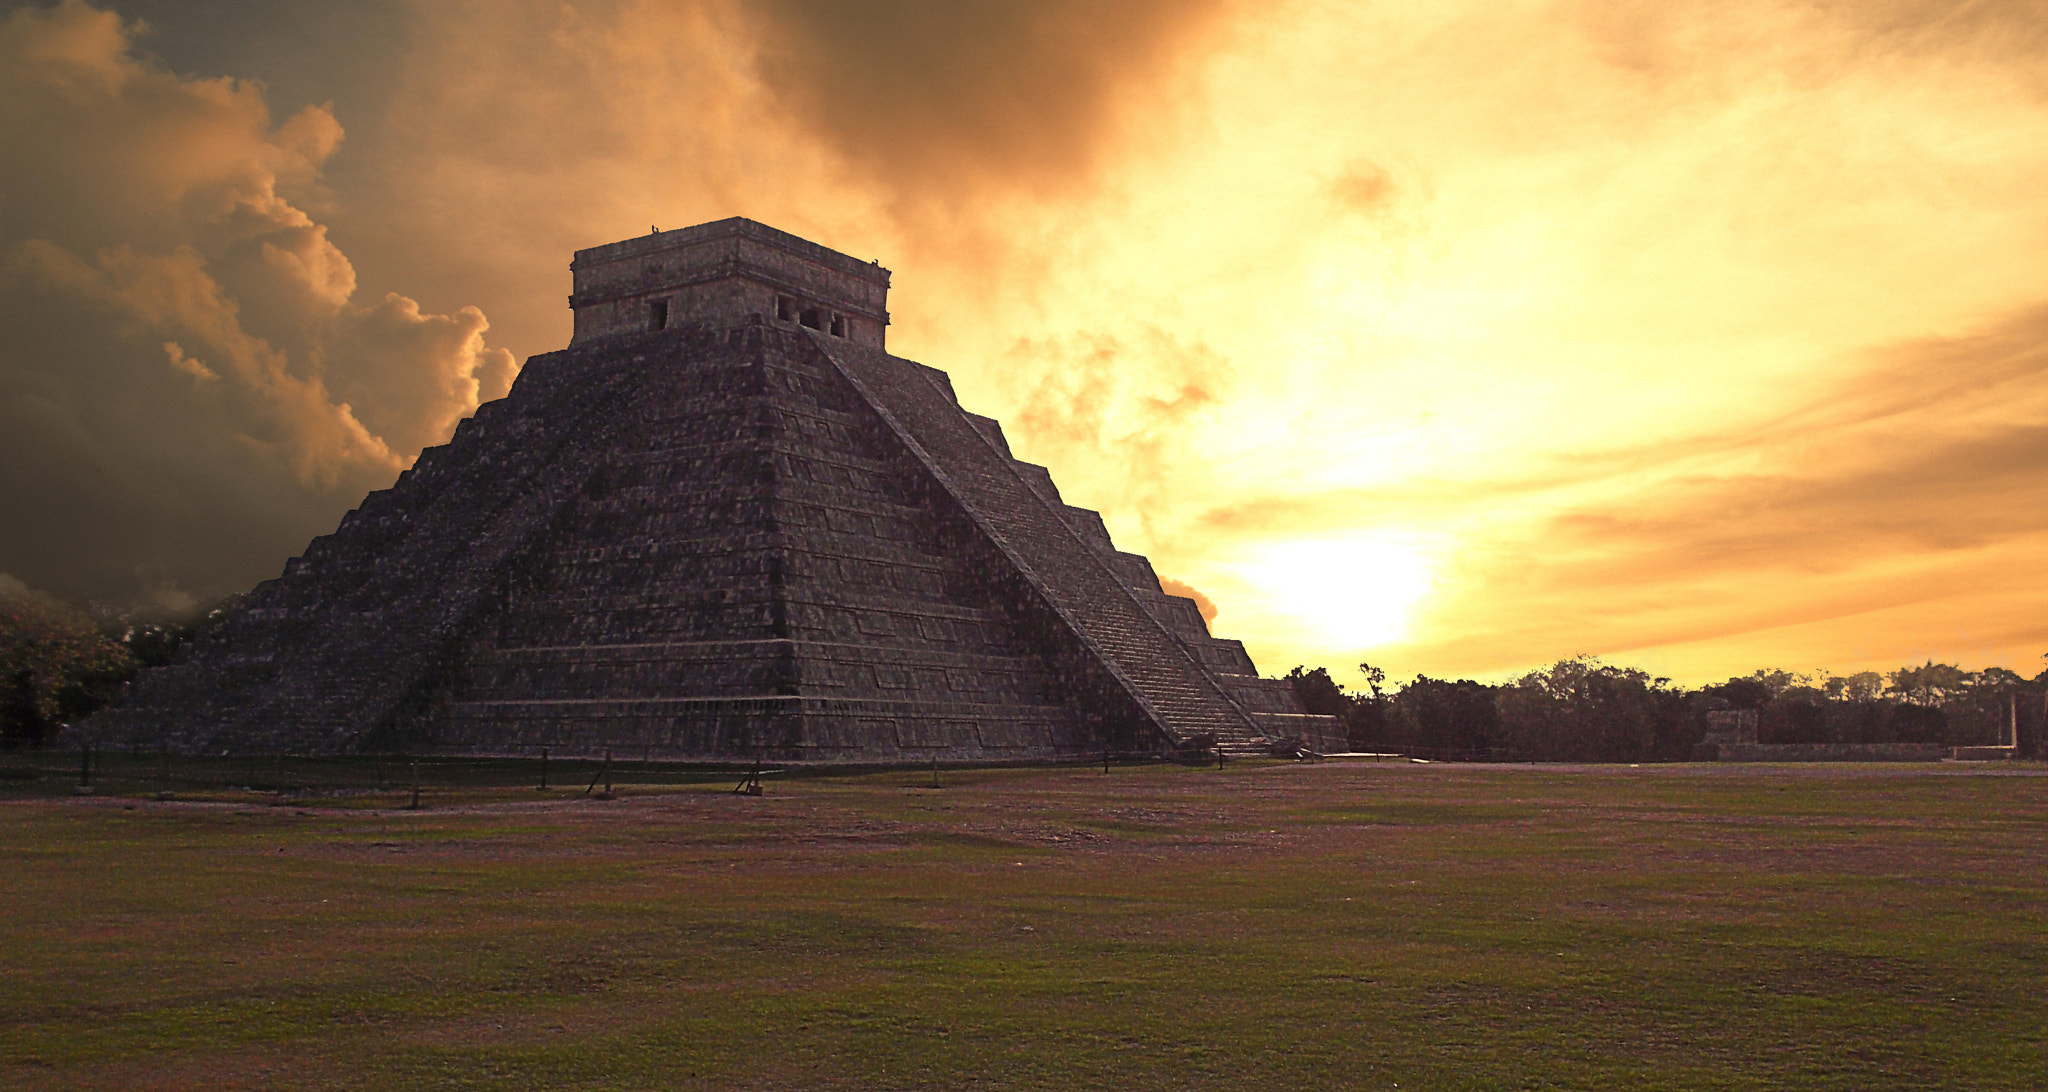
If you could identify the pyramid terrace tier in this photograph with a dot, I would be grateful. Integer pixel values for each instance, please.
(698, 669)
(783, 729)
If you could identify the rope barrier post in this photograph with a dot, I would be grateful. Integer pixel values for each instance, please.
(750, 785)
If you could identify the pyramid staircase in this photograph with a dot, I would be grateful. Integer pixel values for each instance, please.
(1141, 653)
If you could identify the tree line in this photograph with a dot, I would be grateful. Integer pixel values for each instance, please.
(1583, 710)
(59, 663)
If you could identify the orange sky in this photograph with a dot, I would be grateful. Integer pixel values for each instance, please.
(1454, 337)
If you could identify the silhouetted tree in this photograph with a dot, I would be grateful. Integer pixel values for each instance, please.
(1586, 711)
(1582, 710)
(1796, 717)
(1862, 686)
(1930, 684)
(1911, 723)
(1743, 693)
(157, 642)
(1370, 726)
(1319, 693)
(55, 666)
(1459, 718)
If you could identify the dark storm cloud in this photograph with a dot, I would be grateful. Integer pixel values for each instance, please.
(936, 94)
(305, 51)
(189, 389)
(194, 385)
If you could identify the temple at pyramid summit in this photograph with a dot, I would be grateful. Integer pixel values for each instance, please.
(723, 524)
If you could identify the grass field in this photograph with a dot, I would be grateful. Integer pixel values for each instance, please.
(1266, 926)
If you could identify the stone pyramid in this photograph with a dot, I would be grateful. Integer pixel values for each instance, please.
(722, 524)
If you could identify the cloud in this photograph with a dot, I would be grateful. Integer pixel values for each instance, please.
(946, 99)
(1363, 187)
(11, 587)
(2001, 31)
(172, 249)
(1128, 404)
(1894, 506)
(1907, 486)
(1203, 603)
(410, 376)
(186, 361)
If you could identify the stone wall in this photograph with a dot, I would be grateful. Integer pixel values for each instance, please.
(726, 273)
(1831, 752)
(1731, 728)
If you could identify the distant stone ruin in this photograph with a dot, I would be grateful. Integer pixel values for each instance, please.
(1730, 729)
(1732, 737)
(723, 524)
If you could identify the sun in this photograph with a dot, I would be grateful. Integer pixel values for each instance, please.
(1357, 590)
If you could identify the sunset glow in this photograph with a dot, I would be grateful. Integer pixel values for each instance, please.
(1458, 338)
(1354, 591)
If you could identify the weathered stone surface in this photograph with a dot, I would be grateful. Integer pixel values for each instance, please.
(1832, 752)
(721, 274)
(1731, 736)
(705, 530)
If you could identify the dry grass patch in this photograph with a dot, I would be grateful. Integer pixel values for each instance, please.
(1262, 927)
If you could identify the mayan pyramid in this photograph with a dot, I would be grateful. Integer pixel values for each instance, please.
(722, 524)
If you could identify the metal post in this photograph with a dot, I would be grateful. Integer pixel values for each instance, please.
(750, 785)
(604, 774)
(543, 769)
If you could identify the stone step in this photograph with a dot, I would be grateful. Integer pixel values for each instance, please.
(1067, 569)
